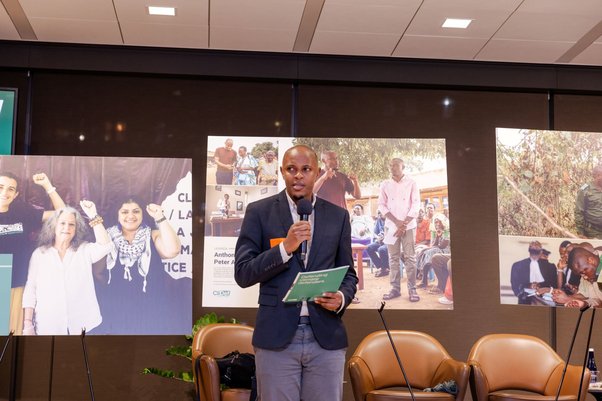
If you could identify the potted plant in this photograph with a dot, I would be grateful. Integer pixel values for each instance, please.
(186, 351)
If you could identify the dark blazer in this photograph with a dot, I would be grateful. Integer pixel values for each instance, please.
(257, 262)
(520, 273)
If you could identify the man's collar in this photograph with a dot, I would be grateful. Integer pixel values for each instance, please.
(293, 206)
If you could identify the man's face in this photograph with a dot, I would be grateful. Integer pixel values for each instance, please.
(229, 144)
(396, 168)
(330, 160)
(535, 250)
(585, 266)
(8, 191)
(563, 252)
(269, 156)
(242, 152)
(357, 211)
(299, 170)
(430, 211)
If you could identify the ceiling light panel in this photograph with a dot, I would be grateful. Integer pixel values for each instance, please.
(191, 12)
(163, 11)
(188, 29)
(456, 23)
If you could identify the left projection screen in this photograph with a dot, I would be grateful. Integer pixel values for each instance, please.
(116, 260)
(7, 120)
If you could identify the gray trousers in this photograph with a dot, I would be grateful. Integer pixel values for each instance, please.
(301, 371)
(406, 244)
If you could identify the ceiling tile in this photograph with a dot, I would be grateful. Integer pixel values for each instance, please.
(262, 25)
(252, 39)
(366, 17)
(439, 47)
(76, 31)
(591, 56)
(353, 43)
(188, 12)
(69, 9)
(7, 29)
(487, 17)
(277, 15)
(528, 51)
(186, 36)
(552, 20)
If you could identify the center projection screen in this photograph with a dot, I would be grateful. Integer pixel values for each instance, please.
(255, 175)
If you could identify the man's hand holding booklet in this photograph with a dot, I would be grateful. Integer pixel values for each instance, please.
(308, 285)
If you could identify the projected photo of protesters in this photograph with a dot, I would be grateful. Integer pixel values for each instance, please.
(59, 296)
(135, 296)
(19, 222)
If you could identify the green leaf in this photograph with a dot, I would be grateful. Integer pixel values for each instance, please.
(180, 350)
(169, 374)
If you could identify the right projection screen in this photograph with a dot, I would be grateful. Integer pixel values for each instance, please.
(549, 216)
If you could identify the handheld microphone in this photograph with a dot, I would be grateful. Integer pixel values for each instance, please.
(304, 209)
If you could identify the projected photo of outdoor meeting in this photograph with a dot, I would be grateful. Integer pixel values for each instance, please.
(549, 216)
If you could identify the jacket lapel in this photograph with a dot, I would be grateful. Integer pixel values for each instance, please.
(318, 233)
(284, 212)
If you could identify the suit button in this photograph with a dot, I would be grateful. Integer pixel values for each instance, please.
(299, 304)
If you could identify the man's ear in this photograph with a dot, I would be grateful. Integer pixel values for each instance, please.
(591, 260)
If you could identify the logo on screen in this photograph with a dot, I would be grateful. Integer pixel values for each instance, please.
(221, 293)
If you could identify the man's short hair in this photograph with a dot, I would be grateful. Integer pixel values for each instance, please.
(10, 175)
(576, 253)
(398, 160)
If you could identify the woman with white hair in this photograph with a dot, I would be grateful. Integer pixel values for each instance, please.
(59, 296)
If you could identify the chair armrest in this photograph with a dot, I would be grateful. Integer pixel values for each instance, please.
(209, 383)
(362, 381)
(479, 387)
(572, 378)
(452, 369)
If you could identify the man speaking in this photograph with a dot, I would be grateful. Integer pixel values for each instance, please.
(299, 348)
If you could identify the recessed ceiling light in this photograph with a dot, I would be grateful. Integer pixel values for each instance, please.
(171, 11)
(456, 23)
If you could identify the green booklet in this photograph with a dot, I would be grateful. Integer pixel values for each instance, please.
(308, 285)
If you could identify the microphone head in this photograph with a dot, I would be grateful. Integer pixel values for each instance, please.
(304, 207)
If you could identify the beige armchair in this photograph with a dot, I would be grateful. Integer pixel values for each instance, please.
(515, 367)
(214, 341)
(375, 374)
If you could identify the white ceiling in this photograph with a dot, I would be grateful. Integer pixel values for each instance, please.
(532, 31)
